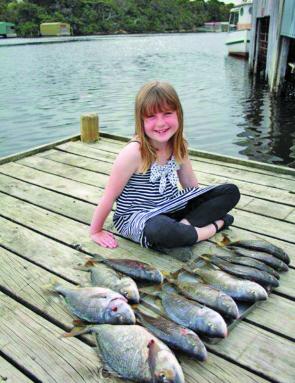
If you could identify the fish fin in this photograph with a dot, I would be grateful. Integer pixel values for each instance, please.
(90, 262)
(206, 257)
(50, 287)
(79, 322)
(107, 371)
(224, 241)
(166, 274)
(77, 331)
(97, 257)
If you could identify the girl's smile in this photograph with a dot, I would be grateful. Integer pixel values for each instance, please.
(161, 126)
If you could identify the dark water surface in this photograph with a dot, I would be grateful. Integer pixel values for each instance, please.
(46, 87)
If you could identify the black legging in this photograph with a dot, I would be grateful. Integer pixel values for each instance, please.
(165, 230)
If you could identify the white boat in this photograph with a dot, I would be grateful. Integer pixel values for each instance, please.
(238, 39)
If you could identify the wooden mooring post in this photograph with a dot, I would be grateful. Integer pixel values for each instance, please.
(89, 127)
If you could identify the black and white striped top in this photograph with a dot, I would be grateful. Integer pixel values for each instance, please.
(149, 194)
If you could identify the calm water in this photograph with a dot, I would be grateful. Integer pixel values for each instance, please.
(45, 88)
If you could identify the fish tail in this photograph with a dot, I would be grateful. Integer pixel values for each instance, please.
(76, 331)
(87, 265)
(53, 286)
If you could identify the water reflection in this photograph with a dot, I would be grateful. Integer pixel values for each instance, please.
(45, 89)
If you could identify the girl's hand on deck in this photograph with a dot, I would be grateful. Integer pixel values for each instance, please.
(105, 239)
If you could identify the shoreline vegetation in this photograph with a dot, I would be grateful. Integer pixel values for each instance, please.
(106, 17)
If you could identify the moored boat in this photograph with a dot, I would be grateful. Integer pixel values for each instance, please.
(238, 39)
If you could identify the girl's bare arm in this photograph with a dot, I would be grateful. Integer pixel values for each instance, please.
(126, 164)
(186, 174)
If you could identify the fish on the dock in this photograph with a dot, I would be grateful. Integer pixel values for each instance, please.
(251, 262)
(132, 352)
(97, 304)
(239, 289)
(267, 258)
(134, 269)
(264, 246)
(245, 272)
(173, 335)
(208, 296)
(104, 276)
(191, 314)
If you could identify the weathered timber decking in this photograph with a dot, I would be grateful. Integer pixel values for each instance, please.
(47, 197)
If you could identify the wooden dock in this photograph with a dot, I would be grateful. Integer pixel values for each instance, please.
(47, 199)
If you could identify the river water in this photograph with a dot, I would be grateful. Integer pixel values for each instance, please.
(46, 87)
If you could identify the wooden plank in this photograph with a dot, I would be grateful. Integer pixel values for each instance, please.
(76, 234)
(283, 196)
(291, 216)
(219, 167)
(278, 313)
(259, 206)
(280, 170)
(89, 192)
(62, 185)
(264, 225)
(262, 351)
(200, 165)
(10, 374)
(35, 344)
(25, 281)
(38, 149)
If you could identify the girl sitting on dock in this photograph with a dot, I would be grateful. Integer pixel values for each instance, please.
(150, 209)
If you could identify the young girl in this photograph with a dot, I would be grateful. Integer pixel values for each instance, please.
(150, 209)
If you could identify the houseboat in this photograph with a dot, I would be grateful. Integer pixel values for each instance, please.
(238, 39)
(7, 29)
(55, 29)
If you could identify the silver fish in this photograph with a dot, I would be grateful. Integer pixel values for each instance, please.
(245, 272)
(190, 314)
(173, 335)
(131, 352)
(267, 258)
(251, 262)
(97, 304)
(208, 296)
(135, 269)
(239, 289)
(104, 276)
(264, 246)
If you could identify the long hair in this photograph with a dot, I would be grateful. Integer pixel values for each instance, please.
(154, 97)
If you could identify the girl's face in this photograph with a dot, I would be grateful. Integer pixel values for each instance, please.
(161, 126)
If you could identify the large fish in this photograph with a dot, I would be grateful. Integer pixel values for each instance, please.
(251, 262)
(104, 276)
(131, 352)
(267, 258)
(245, 272)
(209, 296)
(265, 246)
(135, 269)
(239, 289)
(191, 314)
(97, 304)
(173, 335)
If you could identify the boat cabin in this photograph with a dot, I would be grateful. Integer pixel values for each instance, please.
(240, 17)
